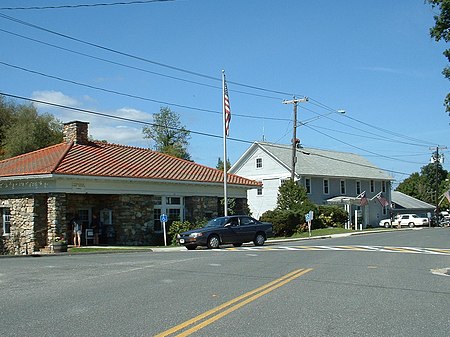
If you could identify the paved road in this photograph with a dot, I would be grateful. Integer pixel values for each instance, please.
(280, 291)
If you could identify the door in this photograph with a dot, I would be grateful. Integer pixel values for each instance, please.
(231, 233)
(248, 228)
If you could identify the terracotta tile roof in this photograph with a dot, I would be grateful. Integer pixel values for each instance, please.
(111, 160)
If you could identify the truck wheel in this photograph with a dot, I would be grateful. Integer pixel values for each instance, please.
(259, 239)
(213, 242)
(387, 225)
(411, 224)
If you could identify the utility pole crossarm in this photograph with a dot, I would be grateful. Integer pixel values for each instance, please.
(294, 101)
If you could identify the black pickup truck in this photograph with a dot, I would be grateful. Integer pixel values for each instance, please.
(235, 230)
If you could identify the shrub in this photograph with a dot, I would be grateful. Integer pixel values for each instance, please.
(285, 222)
(332, 216)
(288, 222)
(178, 227)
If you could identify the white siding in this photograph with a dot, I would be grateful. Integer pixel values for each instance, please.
(271, 174)
(267, 201)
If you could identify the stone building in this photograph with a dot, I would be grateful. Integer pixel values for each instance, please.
(120, 189)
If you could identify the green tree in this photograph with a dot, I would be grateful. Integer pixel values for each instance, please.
(441, 30)
(423, 186)
(292, 196)
(24, 130)
(219, 165)
(169, 135)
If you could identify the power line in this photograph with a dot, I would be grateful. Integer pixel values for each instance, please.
(136, 68)
(135, 96)
(136, 2)
(178, 129)
(371, 133)
(319, 104)
(139, 58)
(360, 148)
(383, 139)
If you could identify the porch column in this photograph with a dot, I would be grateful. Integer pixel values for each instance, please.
(56, 216)
(348, 208)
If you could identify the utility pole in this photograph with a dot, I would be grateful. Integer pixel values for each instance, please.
(436, 158)
(294, 101)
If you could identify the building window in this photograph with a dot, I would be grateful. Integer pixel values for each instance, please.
(259, 191)
(171, 206)
(358, 187)
(157, 223)
(343, 187)
(84, 216)
(372, 186)
(6, 220)
(308, 185)
(383, 186)
(173, 201)
(385, 211)
(259, 163)
(326, 187)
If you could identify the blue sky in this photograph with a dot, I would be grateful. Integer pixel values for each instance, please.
(373, 58)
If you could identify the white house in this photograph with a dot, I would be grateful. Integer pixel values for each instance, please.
(330, 177)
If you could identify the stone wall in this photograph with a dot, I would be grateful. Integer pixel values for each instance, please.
(57, 225)
(21, 240)
(133, 220)
(36, 220)
(132, 216)
(200, 208)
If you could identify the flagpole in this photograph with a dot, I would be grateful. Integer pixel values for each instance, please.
(225, 197)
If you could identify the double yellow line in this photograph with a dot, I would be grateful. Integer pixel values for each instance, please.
(224, 309)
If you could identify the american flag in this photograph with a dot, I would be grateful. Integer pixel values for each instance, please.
(364, 201)
(382, 200)
(226, 107)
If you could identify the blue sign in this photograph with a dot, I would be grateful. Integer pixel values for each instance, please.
(163, 218)
(309, 216)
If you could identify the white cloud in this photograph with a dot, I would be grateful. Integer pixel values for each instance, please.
(134, 114)
(55, 97)
(100, 127)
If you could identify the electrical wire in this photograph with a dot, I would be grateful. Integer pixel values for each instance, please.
(180, 129)
(135, 96)
(135, 2)
(139, 58)
(360, 148)
(369, 132)
(323, 106)
(136, 68)
(383, 139)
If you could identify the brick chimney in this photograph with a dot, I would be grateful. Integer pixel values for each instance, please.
(76, 131)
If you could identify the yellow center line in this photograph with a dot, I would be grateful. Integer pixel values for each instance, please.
(307, 247)
(352, 248)
(398, 249)
(247, 298)
(446, 251)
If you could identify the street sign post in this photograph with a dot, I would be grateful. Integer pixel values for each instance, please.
(163, 219)
(309, 217)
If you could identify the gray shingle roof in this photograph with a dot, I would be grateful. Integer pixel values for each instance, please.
(406, 201)
(317, 162)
